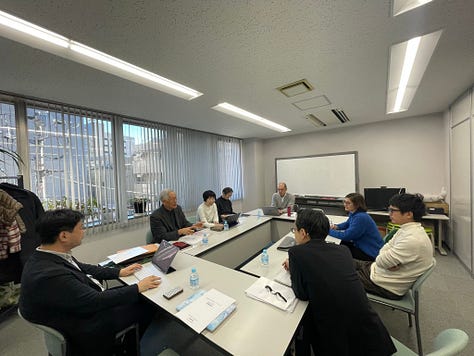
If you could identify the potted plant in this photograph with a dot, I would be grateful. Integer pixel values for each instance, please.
(139, 204)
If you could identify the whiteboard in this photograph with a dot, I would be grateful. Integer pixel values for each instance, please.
(333, 175)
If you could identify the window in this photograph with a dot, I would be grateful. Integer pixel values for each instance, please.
(73, 155)
(8, 142)
(71, 161)
(189, 162)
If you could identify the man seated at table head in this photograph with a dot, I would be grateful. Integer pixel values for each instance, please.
(224, 205)
(339, 320)
(60, 292)
(168, 222)
(405, 257)
(282, 199)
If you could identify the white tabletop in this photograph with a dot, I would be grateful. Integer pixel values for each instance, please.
(249, 329)
(276, 258)
(216, 238)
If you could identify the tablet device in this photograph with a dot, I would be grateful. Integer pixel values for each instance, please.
(164, 256)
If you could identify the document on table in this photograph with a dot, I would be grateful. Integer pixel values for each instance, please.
(205, 309)
(127, 254)
(274, 293)
(195, 238)
(332, 240)
(283, 277)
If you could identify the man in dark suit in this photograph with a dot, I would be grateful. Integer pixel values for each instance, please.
(339, 319)
(168, 221)
(65, 294)
(224, 205)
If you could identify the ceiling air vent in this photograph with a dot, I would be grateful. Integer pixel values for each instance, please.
(296, 88)
(315, 121)
(341, 115)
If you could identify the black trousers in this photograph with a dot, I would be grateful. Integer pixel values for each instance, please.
(101, 339)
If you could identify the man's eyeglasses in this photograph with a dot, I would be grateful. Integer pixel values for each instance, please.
(292, 230)
(274, 292)
(391, 210)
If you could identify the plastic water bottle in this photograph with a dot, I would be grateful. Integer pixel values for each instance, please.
(226, 225)
(205, 239)
(259, 213)
(265, 259)
(194, 279)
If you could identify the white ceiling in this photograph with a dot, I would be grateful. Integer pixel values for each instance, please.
(239, 52)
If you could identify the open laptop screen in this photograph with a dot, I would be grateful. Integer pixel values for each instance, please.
(164, 256)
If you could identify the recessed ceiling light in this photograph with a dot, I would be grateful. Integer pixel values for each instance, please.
(248, 116)
(408, 62)
(401, 6)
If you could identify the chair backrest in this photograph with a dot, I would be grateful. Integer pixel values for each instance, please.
(417, 285)
(389, 236)
(449, 342)
(149, 237)
(55, 341)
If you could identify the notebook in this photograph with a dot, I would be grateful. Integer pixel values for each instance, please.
(270, 210)
(161, 261)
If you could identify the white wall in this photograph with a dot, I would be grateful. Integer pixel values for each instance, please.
(253, 174)
(409, 152)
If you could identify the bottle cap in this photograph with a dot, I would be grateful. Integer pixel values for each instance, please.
(193, 270)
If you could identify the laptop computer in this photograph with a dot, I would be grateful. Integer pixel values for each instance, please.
(287, 243)
(271, 210)
(232, 219)
(161, 261)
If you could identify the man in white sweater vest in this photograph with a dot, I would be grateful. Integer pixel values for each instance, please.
(405, 257)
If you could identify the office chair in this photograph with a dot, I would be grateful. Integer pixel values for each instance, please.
(449, 342)
(168, 352)
(56, 343)
(149, 237)
(410, 303)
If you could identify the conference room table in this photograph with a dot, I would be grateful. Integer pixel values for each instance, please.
(254, 328)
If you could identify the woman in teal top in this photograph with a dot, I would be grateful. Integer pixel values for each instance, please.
(359, 233)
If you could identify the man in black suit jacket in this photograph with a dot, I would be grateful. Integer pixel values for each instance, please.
(339, 320)
(65, 294)
(168, 221)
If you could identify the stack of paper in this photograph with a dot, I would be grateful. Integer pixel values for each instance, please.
(127, 254)
(195, 238)
(283, 277)
(202, 311)
(273, 293)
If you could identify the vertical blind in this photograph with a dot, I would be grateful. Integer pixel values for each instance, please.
(8, 142)
(186, 161)
(71, 158)
(73, 161)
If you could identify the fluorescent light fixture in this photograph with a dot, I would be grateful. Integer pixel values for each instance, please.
(27, 33)
(30, 29)
(186, 93)
(235, 111)
(408, 62)
(410, 54)
(401, 6)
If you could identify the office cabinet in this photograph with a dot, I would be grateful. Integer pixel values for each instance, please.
(462, 178)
